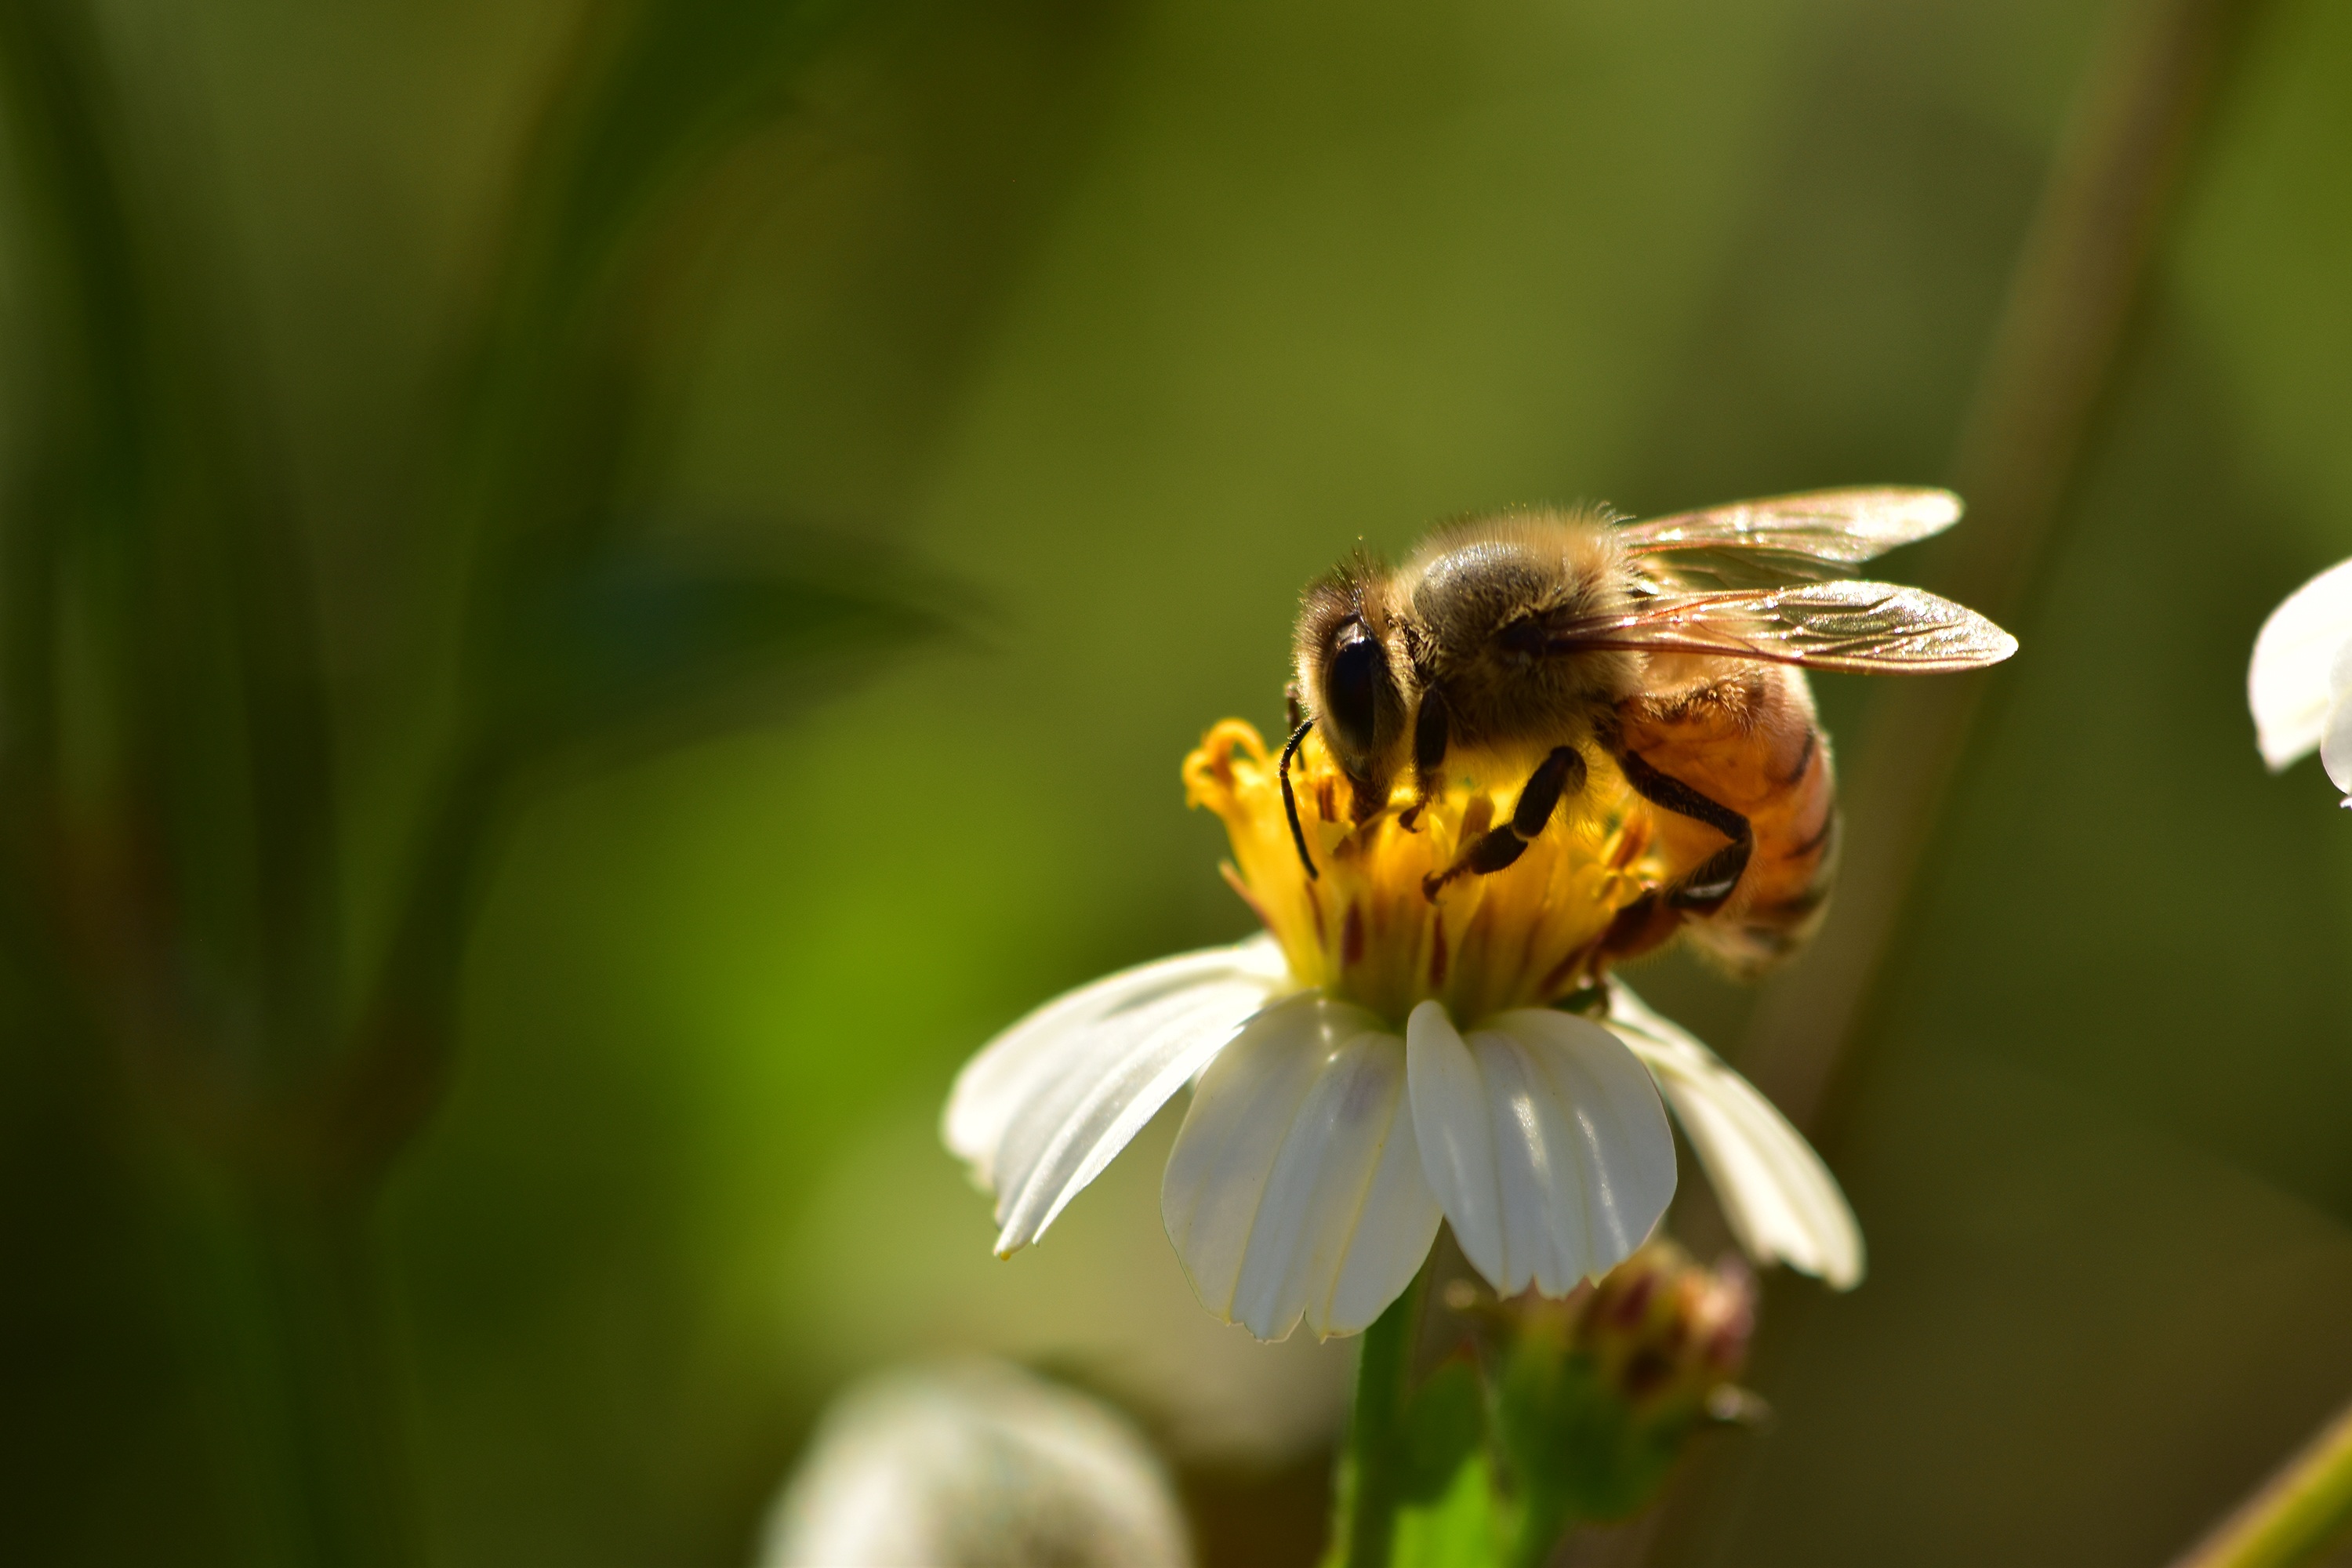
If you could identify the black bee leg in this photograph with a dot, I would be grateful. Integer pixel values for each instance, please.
(1291, 705)
(1562, 773)
(1706, 889)
(1429, 741)
(1290, 800)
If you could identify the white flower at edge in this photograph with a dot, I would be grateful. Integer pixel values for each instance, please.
(969, 1465)
(2299, 684)
(1322, 1147)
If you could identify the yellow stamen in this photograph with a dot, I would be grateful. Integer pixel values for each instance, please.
(1365, 928)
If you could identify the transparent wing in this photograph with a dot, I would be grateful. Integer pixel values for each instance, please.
(1867, 628)
(1784, 539)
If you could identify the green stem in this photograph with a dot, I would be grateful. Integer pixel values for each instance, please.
(1368, 1492)
(2052, 369)
(2298, 1512)
(330, 1439)
(1540, 1526)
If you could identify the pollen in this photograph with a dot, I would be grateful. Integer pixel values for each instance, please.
(1366, 927)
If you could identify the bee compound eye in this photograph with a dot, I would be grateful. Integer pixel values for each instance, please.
(1352, 687)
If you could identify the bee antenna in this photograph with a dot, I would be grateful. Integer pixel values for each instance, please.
(1290, 801)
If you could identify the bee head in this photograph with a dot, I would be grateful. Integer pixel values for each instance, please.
(1350, 675)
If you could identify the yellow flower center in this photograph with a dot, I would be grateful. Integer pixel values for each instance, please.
(1367, 930)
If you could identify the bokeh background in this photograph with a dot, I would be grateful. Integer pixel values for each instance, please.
(1084, 336)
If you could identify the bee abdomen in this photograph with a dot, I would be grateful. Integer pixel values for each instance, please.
(1764, 923)
(1749, 742)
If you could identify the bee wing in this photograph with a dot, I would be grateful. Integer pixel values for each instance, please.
(1800, 538)
(1866, 627)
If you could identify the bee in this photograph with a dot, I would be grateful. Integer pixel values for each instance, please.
(1673, 649)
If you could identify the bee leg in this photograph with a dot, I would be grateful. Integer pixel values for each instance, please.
(1290, 799)
(1706, 889)
(1562, 772)
(1430, 738)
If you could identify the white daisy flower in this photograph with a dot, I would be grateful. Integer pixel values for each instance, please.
(2300, 682)
(1377, 1061)
(975, 1464)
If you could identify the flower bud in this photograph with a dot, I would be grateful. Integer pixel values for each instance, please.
(1598, 1395)
(1665, 1333)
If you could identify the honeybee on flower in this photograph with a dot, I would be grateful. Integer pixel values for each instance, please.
(1428, 1028)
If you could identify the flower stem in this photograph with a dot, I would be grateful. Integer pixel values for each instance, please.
(2050, 373)
(330, 1430)
(1539, 1532)
(1367, 1502)
(2301, 1508)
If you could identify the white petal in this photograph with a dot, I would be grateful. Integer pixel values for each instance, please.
(1543, 1139)
(2336, 741)
(1044, 1107)
(2288, 684)
(1001, 1077)
(1782, 1201)
(972, 1464)
(1295, 1187)
(1457, 1144)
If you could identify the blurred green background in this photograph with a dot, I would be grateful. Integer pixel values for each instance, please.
(1067, 341)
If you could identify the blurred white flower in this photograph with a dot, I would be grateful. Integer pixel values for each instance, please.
(1324, 1143)
(2300, 682)
(975, 1464)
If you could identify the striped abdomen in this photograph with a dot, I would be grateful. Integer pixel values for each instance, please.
(1747, 739)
